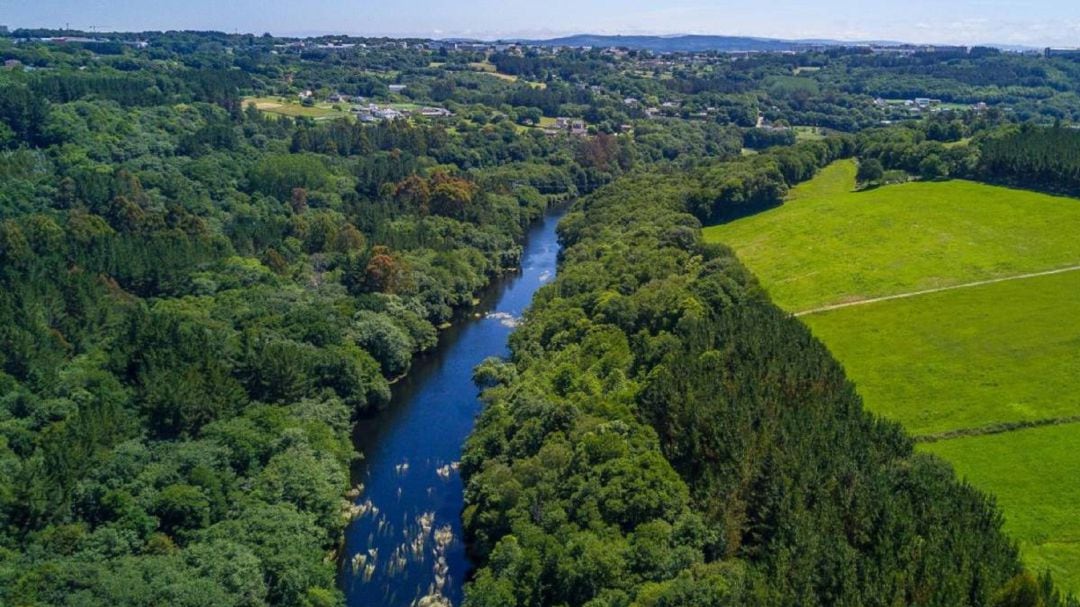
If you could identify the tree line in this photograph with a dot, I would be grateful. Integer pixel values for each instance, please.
(664, 435)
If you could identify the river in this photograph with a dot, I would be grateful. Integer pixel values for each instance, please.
(407, 542)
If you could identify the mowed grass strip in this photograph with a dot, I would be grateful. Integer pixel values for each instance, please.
(829, 244)
(1033, 475)
(971, 358)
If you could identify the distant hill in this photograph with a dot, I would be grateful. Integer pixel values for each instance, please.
(687, 43)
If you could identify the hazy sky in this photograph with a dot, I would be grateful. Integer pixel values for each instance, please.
(1032, 22)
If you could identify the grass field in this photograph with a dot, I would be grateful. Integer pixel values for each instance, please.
(486, 67)
(829, 244)
(974, 362)
(808, 133)
(1032, 474)
(288, 107)
(969, 358)
(489, 68)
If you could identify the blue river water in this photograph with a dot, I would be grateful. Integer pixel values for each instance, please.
(404, 547)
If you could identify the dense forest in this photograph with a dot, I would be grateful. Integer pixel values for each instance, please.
(185, 340)
(211, 265)
(196, 300)
(1031, 156)
(664, 435)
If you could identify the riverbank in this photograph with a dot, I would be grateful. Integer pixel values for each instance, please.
(406, 542)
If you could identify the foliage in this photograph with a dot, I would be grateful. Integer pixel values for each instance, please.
(197, 296)
(671, 437)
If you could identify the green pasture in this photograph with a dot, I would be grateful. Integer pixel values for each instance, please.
(964, 359)
(973, 365)
(1032, 473)
(830, 244)
(288, 107)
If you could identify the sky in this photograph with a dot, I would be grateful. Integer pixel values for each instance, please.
(1019, 22)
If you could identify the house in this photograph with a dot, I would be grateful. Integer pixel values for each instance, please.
(575, 126)
(1062, 52)
(335, 46)
(306, 94)
(388, 114)
(71, 39)
(12, 64)
(435, 112)
(397, 88)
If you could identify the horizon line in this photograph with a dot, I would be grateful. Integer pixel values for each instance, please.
(537, 36)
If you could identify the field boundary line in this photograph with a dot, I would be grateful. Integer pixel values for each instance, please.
(969, 285)
(1003, 428)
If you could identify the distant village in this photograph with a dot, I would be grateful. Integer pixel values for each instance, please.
(366, 111)
(542, 47)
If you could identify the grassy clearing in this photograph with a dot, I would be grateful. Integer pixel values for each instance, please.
(490, 69)
(829, 244)
(956, 361)
(1002, 353)
(486, 67)
(808, 133)
(293, 109)
(1030, 472)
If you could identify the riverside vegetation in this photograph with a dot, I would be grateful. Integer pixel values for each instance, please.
(197, 297)
(665, 435)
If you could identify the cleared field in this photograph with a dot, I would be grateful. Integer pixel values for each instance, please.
(489, 68)
(970, 358)
(1032, 473)
(483, 66)
(970, 365)
(808, 133)
(283, 107)
(829, 244)
(486, 67)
